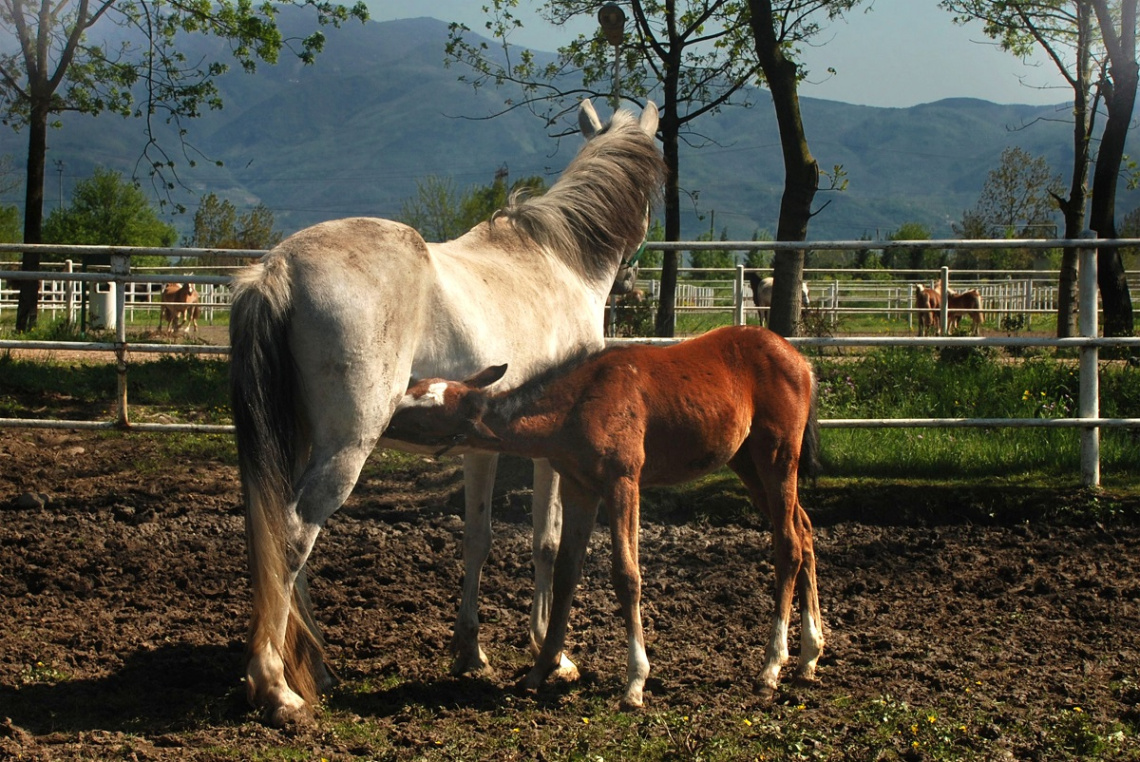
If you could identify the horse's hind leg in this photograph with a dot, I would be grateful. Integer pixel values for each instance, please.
(285, 669)
(478, 484)
(771, 482)
(811, 622)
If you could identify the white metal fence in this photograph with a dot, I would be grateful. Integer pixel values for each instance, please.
(134, 289)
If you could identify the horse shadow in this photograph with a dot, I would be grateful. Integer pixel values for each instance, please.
(178, 686)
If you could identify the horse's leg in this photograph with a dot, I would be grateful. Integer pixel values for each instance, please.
(547, 510)
(623, 504)
(286, 654)
(478, 485)
(811, 622)
(772, 486)
(580, 511)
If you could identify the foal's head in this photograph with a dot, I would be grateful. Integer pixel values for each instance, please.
(434, 411)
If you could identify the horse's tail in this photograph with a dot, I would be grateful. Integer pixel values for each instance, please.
(810, 466)
(263, 391)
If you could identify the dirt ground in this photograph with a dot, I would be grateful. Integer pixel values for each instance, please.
(123, 603)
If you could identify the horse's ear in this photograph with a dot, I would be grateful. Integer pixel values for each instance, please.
(649, 119)
(588, 120)
(487, 376)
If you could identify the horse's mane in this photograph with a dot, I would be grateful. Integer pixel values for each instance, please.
(598, 205)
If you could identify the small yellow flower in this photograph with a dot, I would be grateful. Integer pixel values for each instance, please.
(1077, 709)
(915, 744)
(747, 722)
(914, 729)
(585, 720)
(930, 719)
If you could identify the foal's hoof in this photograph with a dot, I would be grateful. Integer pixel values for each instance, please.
(565, 672)
(472, 665)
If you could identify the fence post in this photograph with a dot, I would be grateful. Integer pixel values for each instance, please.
(738, 297)
(943, 308)
(121, 265)
(69, 292)
(1089, 403)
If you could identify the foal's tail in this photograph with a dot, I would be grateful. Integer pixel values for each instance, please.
(810, 466)
(263, 392)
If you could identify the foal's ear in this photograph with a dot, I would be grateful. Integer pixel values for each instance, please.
(649, 119)
(487, 376)
(588, 120)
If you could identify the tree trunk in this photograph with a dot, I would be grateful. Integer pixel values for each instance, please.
(665, 323)
(27, 309)
(1120, 98)
(1073, 208)
(801, 172)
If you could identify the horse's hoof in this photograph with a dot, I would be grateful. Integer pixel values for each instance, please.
(327, 679)
(565, 672)
(533, 680)
(631, 704)
(472, 668)
(765, 694)
(289, 716)
(803, 680)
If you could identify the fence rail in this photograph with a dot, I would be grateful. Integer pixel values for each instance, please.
(1088, 419)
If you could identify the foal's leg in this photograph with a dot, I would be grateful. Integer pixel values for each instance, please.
(547, 510)
(580, 512)
(478, 485)
(772, 487)
(811, 622)
(623, 503)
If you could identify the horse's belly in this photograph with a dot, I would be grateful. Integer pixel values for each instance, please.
(688, 456)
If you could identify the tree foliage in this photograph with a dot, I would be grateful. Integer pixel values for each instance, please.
(716, 258)
(692, 57)
(217, 225)
(441, 212)
(1018, 200)
(109, 211)
(125, 57)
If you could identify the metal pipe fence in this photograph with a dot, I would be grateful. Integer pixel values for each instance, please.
(731, 294)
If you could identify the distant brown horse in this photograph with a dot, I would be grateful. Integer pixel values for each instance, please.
(644, 415)
(179, 300)
(929, 303)
(962, 303)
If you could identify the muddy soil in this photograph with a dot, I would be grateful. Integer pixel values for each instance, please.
(123, 603)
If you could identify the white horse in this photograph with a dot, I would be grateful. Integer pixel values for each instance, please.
(326, 330)
(762, 294)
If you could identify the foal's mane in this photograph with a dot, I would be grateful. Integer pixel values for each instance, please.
(508, 403)
(598, 206)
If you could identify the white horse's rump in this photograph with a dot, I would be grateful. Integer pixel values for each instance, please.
(762, 294)
(326, 330)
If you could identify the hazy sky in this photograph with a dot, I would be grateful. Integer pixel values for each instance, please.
(900, 53)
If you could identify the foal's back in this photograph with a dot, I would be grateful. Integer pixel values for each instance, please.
(693, 405)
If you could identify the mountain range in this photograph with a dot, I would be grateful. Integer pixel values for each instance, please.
(379, 111)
